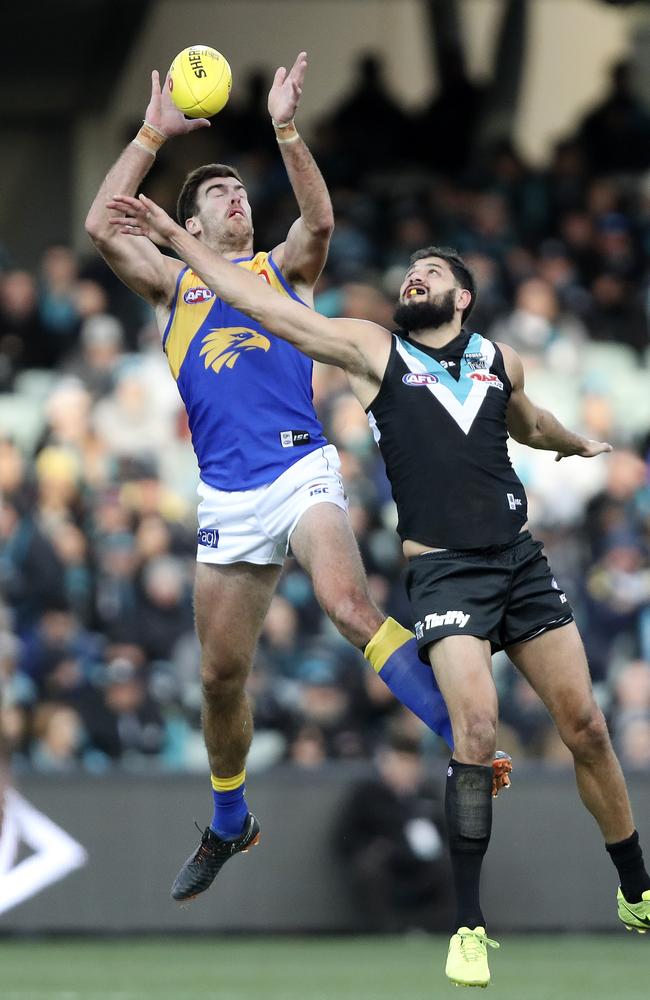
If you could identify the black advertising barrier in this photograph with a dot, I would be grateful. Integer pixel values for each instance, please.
(98, 854)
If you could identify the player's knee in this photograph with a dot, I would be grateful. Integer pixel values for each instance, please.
(475, 738)
(586, 734)
(223, 675)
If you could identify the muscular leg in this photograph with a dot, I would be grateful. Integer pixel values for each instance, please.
(324, 544)
(555, 665)
(462, 666)
(230, 604)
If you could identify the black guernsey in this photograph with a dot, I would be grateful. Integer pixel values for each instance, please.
(440, 421)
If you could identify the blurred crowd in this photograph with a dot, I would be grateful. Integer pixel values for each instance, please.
(99, 663)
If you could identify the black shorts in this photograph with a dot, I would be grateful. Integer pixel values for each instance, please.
(506, 594)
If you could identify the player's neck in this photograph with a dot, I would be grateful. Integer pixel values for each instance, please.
(438, 336)
(231, 254)
(230, 250)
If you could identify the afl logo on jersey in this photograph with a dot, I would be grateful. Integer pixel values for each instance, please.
(200, 294)
(416, 379)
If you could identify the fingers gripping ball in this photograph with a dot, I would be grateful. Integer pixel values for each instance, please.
(199, 81)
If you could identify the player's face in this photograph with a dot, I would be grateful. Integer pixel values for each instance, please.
(428, 296)
(426, 279)
(223, 210)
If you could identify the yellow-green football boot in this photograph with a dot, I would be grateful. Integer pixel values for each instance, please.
(467, 963)
(635, 916)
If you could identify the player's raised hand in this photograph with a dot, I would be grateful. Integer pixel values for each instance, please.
(141, 217)
(589, 449)
(284, 95)
(163, 114)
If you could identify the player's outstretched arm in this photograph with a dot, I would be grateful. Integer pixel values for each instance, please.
(302, 256)
(538, 428)
(360, 348)
(139, 264)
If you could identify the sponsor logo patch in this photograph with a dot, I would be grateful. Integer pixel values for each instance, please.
(417, 379)
(200, 294)
(513, 501)
(208, 537)
(475, 360)
(488, 377)
(291, 439)
(434, 620)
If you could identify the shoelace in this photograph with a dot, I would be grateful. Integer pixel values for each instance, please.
(473, 945)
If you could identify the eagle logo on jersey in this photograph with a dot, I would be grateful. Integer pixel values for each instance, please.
(224, 346)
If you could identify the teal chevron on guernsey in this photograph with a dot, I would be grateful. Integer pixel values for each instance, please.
(461, 398)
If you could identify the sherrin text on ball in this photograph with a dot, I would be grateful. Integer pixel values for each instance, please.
(199, 81)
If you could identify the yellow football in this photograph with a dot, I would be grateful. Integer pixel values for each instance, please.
(199, 81)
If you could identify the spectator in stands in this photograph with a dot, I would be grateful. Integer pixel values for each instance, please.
(163, 614)
(617, 314)
(23, 338)
(125, 420)
(31, 575)
(100, 352)
(58, 738)
(631, 715)
(389, 835)
(369, 122)
(59, 273)
(130, 727)
(617, 599)
(616, 133)
(539, 331)
(326, 703)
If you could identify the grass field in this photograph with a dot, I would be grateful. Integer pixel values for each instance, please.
(526, 968)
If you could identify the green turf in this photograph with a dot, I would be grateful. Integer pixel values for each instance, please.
(527, 968)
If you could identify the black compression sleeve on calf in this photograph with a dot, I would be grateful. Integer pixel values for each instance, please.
(468, 809)
(628, 858)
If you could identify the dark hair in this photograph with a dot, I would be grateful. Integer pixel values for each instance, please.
(457, 266)
(186, 204)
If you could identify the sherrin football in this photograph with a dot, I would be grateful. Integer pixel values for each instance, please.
(199, 81)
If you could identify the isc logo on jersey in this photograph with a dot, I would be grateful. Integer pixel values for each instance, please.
(416, 379)
(200, 294)
(488, 377)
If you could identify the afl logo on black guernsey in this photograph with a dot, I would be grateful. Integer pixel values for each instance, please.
(417, 379)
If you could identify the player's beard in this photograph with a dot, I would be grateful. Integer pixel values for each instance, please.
(227, 238)
(428, 314)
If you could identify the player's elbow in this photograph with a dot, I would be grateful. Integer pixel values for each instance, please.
(323, 226)
(97, 227)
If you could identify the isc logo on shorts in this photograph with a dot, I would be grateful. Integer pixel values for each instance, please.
(417, 378)
(200, 294)
(208, 537)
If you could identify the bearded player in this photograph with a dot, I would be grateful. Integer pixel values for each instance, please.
(267, 474)
(442, 401)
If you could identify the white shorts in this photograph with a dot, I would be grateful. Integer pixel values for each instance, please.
(255, 525)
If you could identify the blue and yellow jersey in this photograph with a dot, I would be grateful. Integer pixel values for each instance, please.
(248, 393)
